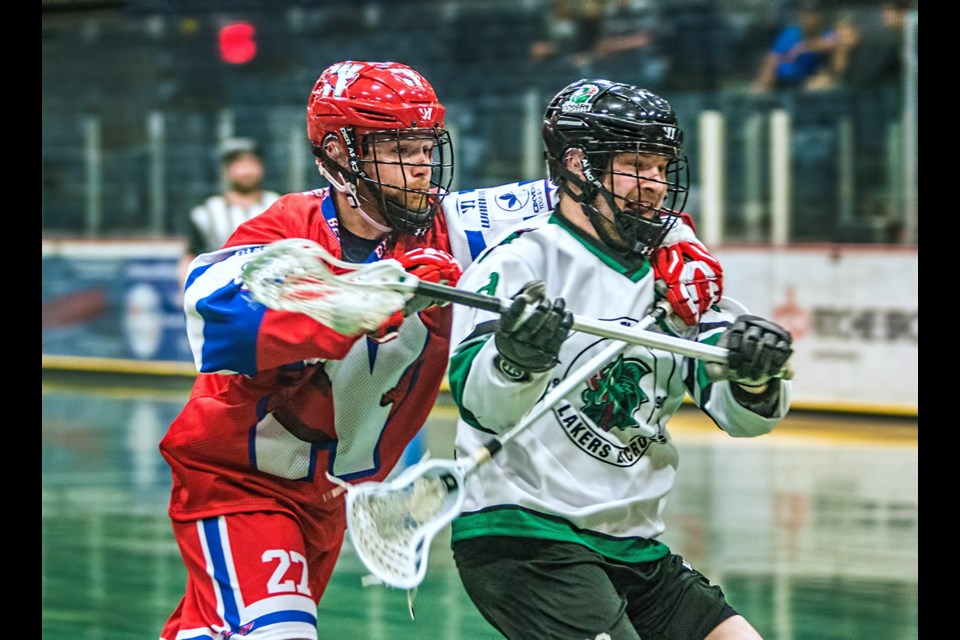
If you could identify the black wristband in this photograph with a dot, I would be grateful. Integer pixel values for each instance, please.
(510, 371)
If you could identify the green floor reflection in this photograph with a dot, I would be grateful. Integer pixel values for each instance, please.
(810, 538)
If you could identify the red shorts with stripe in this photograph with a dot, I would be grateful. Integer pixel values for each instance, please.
(258, 575)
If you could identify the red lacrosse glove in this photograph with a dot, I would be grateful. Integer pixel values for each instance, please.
(388, 329)
(432, 265)
(429, 265)
(693, 277)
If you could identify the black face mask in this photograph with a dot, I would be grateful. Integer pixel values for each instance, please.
(636, 236)
(401, 217)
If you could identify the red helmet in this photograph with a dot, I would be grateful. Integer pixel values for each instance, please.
(352, 100)
(371, 96)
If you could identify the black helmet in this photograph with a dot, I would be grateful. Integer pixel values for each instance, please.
(602, 119)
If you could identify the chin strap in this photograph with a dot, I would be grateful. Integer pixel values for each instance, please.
(350, 190)
(590, 188)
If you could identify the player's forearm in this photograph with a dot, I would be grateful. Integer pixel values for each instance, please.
(494, 400)
(738, 419)
(229, 332)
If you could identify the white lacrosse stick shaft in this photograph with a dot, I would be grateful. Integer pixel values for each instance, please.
(285, 273)
(634, 335)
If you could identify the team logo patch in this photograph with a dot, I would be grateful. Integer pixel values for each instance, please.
(581, 98)
(605, 427)
(614, 394)
(341, 76)
(514, 200)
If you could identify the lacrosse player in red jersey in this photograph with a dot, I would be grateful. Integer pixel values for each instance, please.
(283, 402)
(559, 536)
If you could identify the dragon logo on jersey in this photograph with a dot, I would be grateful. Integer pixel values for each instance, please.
(613, 394)
(605, 426)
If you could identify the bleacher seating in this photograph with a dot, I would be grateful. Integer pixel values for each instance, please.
(117, 66)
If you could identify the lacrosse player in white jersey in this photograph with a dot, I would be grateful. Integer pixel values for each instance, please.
(559, 536)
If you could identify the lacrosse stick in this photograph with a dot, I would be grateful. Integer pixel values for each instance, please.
(300, 275)
(391, 524)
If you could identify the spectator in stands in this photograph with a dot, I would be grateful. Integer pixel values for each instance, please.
(570, 31)
(213, 220)
(871, 58)
(799, 52)
(626, 43)
(868, 67)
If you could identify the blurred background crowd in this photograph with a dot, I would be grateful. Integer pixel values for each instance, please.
(138, 97)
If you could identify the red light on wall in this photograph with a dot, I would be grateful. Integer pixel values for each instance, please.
(238, 43)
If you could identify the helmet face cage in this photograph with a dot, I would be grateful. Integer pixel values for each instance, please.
(604, 119)
(641, 235)
(383, 113)
(409, 209)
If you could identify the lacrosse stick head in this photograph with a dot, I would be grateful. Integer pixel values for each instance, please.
(392, 524)
(302, 276)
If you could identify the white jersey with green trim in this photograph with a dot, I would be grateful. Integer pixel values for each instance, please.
(602, 461)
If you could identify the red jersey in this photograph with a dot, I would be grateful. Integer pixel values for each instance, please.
(282, 400)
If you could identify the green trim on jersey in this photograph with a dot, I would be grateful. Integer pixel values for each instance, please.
(460, 363)
(702, 378)
(512, 521)
(634, 274)
(507, 240)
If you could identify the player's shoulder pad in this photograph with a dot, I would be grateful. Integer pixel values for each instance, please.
(501, 206)
(478, 218)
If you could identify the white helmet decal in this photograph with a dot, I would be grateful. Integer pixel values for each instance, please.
(408, 77)
(346, 72)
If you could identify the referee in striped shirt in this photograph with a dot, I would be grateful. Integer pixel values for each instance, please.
(213, 220)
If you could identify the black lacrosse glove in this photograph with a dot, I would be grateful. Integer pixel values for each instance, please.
(531, 332)
(757, 351)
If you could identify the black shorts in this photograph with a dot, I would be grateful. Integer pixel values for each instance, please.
(547, 590)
